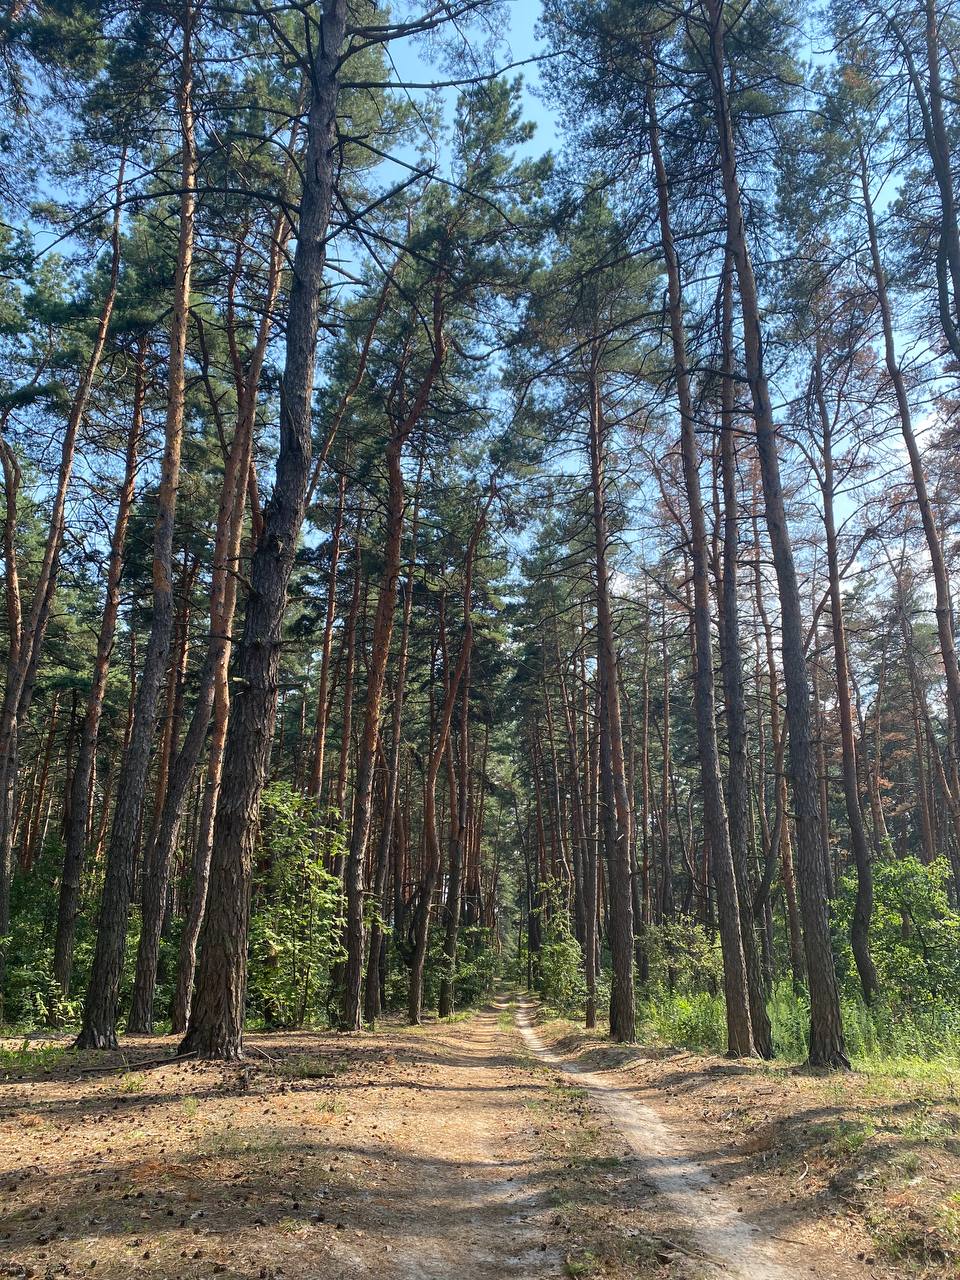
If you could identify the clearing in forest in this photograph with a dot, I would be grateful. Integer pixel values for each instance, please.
(460, 1151)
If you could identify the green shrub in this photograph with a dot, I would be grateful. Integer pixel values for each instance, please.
(884, 1033)
(681, 957)
(914, 934)
(696, 1021)
(296, 923)
(32, 996)
(560, 976)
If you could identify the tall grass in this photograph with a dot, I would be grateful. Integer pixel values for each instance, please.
(876, 1037)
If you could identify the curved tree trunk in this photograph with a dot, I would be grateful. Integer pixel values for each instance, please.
(75, 836)
(216, 1019)
(736, 992)
(376, 676)
(943, 607)
(212, 685)
(26, 634)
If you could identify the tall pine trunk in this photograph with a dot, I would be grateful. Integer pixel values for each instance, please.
(216, 1020)
(863, 905)
(98, 1030)
(716, 830)
(826, 1029)
(617, 826)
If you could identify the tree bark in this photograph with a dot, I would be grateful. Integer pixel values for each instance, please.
(622, 1010)
(826, 1030)
(736, 991)
(371, 1006)
(376, 676)
(212, 685)
(76, 832)
(863, 906)
(98, 1030)
(430, 825)
(26, 634)
(216, 1021)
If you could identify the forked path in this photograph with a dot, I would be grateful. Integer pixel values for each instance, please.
(727, 1238)
(448, 1152)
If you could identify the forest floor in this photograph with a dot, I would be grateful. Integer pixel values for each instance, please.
(467, 1150)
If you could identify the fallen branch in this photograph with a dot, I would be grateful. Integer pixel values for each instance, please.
(137, 1066)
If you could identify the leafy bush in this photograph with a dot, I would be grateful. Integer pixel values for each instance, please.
(914, 934)
(297, 922)
(682, 957)
(478, 965)
(560, 970)
(696, 1021)
(32, 995)
(558, 966)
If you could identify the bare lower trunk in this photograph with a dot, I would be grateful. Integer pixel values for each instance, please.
(430, 824)
(76, 830)
(826, 1030)
(863, 905)
(216, 1019)
(622, 1011)
(371, 995)
(460, 821)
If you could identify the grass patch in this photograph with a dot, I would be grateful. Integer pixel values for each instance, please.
(330, 1106)
(27, 1057)
(848, 1138)
(585, 1265)
(882, 1040)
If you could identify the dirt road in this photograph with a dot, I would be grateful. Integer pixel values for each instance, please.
(459, 1151)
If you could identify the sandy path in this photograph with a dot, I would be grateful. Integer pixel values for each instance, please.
(405, 1154)
(447, 1152)
(727, 1237)
(482, 1202)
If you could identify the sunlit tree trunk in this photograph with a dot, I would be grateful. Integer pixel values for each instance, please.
(216, 1020)
(826, 1029)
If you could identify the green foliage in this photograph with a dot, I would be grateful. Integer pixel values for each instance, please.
(28, 1058)
(297, 913)
(697, 1021)
(878, 1038)
(682, 957)
(32, 996)
(679, 1003)
(914, 934)
(478, 965)
(559, 963)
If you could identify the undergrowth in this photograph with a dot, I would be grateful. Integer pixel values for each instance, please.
(883, 1038)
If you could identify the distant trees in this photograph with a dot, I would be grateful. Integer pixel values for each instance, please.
(591, 520)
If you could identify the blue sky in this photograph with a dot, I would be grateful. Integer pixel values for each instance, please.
(520, 43)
